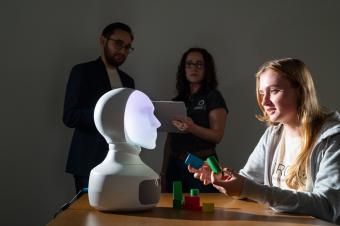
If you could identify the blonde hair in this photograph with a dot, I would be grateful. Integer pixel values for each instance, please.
(310, 114)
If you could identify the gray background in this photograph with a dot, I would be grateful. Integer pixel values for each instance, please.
(41, 40)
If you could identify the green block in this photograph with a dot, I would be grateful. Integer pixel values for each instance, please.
(177, 204)
(213, 164)
(177, 193)
(194, 192)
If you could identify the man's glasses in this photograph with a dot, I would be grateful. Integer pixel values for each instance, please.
(194, 65)
(119, 44)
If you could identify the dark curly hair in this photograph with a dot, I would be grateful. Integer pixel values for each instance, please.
(111, 28)
(209, 81)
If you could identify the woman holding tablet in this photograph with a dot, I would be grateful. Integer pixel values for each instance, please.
(204, 125)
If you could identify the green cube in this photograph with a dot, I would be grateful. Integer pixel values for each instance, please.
(194, 192)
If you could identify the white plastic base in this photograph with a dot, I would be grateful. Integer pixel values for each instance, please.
(123, 182)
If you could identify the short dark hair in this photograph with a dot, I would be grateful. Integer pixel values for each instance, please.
(111, 28)
(210, 79)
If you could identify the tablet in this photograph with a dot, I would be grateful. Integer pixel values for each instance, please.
(165, 111)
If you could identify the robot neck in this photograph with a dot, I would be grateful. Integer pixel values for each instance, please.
(125, 148)
(123, 153)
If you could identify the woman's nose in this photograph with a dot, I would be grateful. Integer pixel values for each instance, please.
(265, 99)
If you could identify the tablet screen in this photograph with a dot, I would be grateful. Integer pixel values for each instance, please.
(166, 111)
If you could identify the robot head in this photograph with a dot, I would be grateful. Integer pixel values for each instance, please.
(127, 115)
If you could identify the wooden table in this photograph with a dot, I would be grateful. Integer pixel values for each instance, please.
(228, 211)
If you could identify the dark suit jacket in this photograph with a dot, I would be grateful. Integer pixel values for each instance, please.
(87, 83)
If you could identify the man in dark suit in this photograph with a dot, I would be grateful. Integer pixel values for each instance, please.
(87, 83)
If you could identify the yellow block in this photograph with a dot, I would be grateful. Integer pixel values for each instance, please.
(208, 207)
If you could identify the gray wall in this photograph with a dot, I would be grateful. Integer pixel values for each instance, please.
(41, 40)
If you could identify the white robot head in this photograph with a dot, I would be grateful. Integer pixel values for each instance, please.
(123, 181)
(125, 115)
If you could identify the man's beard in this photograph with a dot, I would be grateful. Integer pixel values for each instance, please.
(110, 59)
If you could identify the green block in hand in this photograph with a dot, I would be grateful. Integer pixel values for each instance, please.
(213, 164)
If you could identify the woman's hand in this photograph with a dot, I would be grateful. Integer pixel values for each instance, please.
(203, 173)
(184, 124)
(214, 133)
(227, 182)
(231, 183)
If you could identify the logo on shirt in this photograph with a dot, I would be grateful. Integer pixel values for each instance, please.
(281, 173)
(200, 105)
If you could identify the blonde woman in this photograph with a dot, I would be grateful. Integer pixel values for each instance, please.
(295, 167)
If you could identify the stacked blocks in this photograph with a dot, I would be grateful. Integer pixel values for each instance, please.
(213, 164)
(192, 201)
(194, 161)
(177, 194)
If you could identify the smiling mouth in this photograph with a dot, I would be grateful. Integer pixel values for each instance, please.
(270, 111)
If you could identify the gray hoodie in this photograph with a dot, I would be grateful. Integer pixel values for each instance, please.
(322, 196)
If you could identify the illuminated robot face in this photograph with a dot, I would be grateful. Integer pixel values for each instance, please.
(126, 115)
(140, 122)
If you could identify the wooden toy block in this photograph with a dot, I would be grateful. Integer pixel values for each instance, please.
(194, 192)
(177, 193)
(208, 207)
(213, 164)
(194, 161)
(192, 202)
(177, 204)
